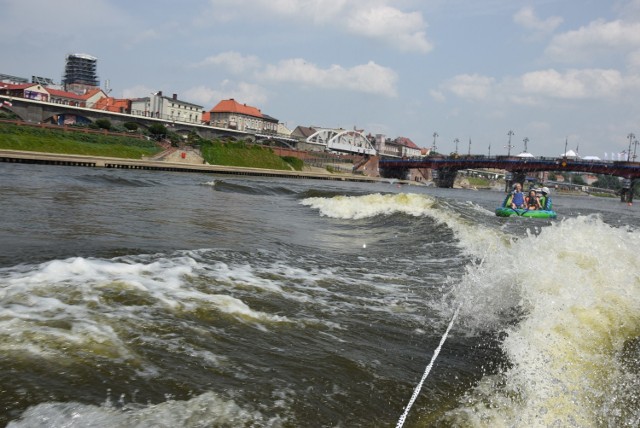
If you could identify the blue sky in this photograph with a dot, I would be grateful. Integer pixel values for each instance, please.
(549, 70)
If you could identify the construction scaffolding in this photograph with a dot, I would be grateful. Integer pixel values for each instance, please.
(80, 71)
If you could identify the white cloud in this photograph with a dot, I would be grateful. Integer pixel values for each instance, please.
(208, 97)
(628, 9)
(406, 31)
(437, 95)
(573, 84)
(368, 78)
(315, 11)
(233, 61)
(470, 86)
(527, 18)
(543, 86)
(633, 61)
(597, 38)
(243, 92)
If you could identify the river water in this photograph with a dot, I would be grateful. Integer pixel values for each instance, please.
(159, 299)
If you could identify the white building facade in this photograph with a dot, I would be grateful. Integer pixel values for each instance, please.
(167, 108)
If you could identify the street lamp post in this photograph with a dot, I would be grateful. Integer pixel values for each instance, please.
(456, 141)
(631, 138)
(509, 146)
(489, 150)
(469, 151)
(433, 149)
(526, 140)
(635, 146)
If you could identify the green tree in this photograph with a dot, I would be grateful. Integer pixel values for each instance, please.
(130, 126)
(158, 131)
(103, 124)
(193, 138)
(608, 182)
(577, 179)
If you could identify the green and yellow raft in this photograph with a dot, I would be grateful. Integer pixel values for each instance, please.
(505, 210)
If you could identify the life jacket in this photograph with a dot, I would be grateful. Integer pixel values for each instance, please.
(531, 203)
(546, 203)
(543, 202)
(518, 198)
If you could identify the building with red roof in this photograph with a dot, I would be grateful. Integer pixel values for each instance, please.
(88, 99)
(233, 115)
(116, 105)
(398, 147)
(32, 91)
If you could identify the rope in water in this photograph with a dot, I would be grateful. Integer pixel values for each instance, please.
(427, 370)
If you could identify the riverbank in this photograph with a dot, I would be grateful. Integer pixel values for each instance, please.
(177, 163)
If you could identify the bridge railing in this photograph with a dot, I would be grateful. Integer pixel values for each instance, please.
(500, 158)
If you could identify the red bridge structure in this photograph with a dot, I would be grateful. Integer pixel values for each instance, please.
(444, 169)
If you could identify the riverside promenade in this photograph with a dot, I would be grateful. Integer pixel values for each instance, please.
(173, 164)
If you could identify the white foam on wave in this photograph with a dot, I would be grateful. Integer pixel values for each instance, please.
(78, 306)
(577, 288)
(358, 207)
(474, 238)
(208, 409)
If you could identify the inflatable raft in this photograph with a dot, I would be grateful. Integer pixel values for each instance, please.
(505, 210)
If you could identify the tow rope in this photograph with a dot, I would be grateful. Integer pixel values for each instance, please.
(427, 370)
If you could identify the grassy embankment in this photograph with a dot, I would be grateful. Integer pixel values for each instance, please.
(244, 155)
(479, 182)
(34, 139)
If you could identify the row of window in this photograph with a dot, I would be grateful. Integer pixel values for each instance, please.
(174, 105)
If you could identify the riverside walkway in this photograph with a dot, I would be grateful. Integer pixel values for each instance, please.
(175, 164)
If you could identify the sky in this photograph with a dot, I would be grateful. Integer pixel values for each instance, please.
(558, 73)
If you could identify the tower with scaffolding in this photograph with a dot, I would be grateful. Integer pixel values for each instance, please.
(80, 73)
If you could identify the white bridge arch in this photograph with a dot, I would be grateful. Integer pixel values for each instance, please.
(343, 141)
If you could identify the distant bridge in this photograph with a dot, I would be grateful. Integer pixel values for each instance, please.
(444, 169)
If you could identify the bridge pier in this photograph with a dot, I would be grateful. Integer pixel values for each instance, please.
(444, 177)
(398, 173)
(626, 193)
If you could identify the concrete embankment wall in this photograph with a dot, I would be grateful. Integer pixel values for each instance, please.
(16, 156)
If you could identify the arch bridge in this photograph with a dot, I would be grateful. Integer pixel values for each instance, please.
(343, 141)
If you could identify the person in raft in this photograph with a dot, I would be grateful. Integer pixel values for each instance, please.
(545, 199)
(532, 201)
(517, 197)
